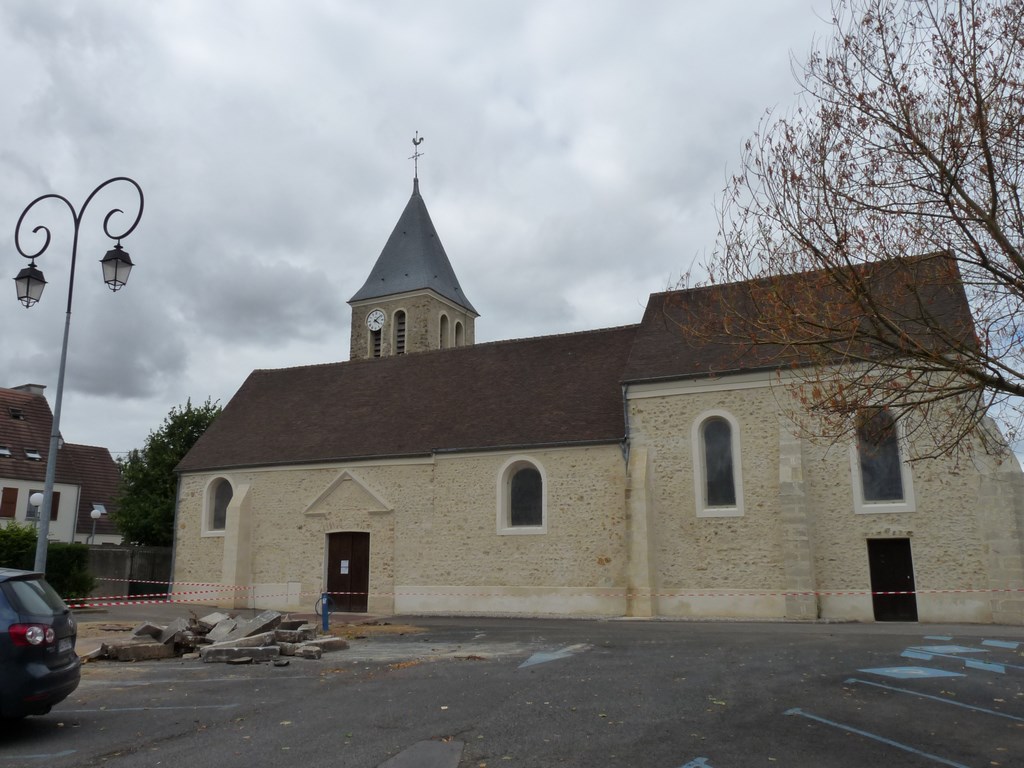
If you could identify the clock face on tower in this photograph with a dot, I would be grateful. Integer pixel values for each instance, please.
(375, 320)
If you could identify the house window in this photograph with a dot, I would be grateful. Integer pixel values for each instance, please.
(375, 341)
(32, 513)
(33, 454)
(5, 452)
(521, 498)
(718, 480)
(218, 497)
(399, 332)
(9, 502)
(882, 481)
(443, 333)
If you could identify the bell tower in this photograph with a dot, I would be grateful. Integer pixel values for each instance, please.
(412, 300)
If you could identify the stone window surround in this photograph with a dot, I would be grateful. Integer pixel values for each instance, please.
(696, 434)
(509, 468)
(209, 502)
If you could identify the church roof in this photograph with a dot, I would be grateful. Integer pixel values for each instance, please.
(806, 318)
(566, 389)
(546, 391)
(413, 259)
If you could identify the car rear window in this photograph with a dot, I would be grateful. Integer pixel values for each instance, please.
(35, 597)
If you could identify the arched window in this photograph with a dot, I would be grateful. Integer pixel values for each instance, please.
(878, 449)
(399, 332)
(218, 497)
(460, 335)
(882, 480)
(443, 333)
(521, 498)
(718, 479)
(375, 341)
(719, 483)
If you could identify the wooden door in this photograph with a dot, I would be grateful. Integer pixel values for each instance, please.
(892, 570)
(348, 570)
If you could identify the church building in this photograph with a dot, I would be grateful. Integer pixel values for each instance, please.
(626, 471)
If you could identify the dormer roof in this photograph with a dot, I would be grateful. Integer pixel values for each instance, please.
(413, 259)
(25, 426)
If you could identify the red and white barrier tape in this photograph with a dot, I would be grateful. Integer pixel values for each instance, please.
(172, 597)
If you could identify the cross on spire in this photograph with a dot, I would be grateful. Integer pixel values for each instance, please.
(416, 155)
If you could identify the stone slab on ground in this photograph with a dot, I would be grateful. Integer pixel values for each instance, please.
(288, 649)
(328, 644)
(173, 630)
(294, 635)
(263, 622)
(148, 629)
(223, 628)
(139, 651)
(253, 641)
(210, 653)
(211, 620)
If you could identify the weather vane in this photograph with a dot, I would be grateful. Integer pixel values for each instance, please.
(416, 155)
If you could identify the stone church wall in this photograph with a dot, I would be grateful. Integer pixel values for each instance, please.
(798, 550)
(712, 566)
(943, 530)
(434, 534)
(576, 566)
(800, 531)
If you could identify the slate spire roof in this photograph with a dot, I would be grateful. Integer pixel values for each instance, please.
(413, 259)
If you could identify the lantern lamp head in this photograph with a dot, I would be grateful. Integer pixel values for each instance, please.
(30, 283)
(116, 267)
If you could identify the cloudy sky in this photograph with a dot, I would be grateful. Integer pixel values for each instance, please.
(573, 153)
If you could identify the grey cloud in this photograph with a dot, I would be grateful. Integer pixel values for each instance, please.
(573, 151)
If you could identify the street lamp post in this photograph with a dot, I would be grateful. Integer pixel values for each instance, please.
(30, 283)
(95, 515)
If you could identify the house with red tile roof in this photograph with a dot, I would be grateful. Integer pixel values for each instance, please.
(634, 471)
(87, 476)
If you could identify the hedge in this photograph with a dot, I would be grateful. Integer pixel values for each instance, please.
(67, 565)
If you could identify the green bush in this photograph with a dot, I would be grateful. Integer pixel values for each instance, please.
(67, 565)
(17, 546)
(67, 570)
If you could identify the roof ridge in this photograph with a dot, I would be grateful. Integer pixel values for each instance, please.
(452, 350)
(803, 273)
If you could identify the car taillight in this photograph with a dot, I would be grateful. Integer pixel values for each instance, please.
(32, 634)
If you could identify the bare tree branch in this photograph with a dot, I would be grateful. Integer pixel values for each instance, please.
(890, 193)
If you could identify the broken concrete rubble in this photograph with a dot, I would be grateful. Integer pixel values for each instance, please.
(219, 637)
(222, 629)
(264, 622)
(228, 653)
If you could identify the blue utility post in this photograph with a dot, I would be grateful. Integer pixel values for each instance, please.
(325, 611)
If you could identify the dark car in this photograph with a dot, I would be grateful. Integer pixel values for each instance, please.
(38, 663)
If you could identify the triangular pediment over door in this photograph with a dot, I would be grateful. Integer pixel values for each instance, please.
(348, 493)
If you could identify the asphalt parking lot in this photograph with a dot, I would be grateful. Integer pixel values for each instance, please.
(489, 692)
